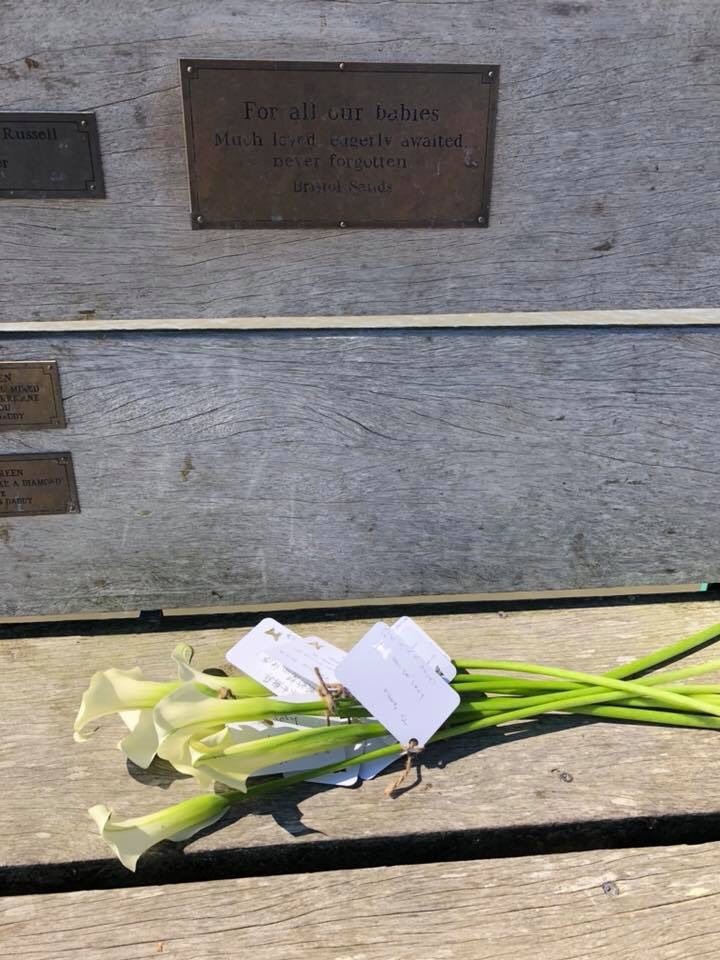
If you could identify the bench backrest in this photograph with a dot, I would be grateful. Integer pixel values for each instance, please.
(217, 468)
(266, 467)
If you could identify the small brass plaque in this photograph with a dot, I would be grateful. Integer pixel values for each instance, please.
(38, 483)
(287, 144)
(50, 155)
(30, 397)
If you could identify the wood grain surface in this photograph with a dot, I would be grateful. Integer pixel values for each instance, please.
(271, 467)
(559, 771)
(660, 902)
(605, 190)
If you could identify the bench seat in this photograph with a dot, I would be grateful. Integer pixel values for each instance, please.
(660, 902)
(552, 784)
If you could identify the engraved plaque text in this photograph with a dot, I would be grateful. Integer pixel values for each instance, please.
(279, 144)
(49, 155)
(30, 397)
(38, 483)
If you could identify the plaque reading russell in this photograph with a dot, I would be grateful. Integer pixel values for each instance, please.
(30, 397)
(37, 483)
(275, 144)
(49, 155)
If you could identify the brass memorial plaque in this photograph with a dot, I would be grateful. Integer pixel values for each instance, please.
(50, 155)
(277, 144)
(37, 483)
(30, 397)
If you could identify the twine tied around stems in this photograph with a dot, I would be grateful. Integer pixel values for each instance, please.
(329, 693)
(411, 749)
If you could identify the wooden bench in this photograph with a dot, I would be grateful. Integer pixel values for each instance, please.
(510, 434)
(443, 864)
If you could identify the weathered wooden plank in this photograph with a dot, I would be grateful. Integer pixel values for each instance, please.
(507, 779)
(605, 189)
(272, 467)
(537, 318)
(660, 902)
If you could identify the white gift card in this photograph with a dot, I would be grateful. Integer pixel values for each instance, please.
(398, 683)
(371, 768)
(409, 631)
(285, 662)
(256, 654)
(414, 636)
(310, 654)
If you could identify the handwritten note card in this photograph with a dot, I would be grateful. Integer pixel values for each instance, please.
(400, 682)
(285, 662)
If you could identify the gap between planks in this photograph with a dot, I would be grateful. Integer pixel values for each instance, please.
(420, 599)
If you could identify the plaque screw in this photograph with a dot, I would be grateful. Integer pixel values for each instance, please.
(491, 73)
(342, 223)
(188, 69)
(91, 187)
(199, 219)
(481, 219)
(341, 66)
(83, 124)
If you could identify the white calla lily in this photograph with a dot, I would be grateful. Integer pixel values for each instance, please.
(227, 770)
(112, 691)
(176, 749)
(140, 744)
(238, 686)
(129, 839)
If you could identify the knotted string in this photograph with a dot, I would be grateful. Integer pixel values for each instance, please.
(329, 693)
(411, 749)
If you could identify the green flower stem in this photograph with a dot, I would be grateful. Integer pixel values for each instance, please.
(271, 786)
(658, 680)
(572, 705)
(672, 652)
(665, 717)
(477, 681)
(501, 704)
(623, 686)
(640, 665)
(301, 742)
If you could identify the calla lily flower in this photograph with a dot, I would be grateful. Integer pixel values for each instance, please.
(239, 686)
(176, 748)
(129, 839)
(112, 691)
(140, 744)
(128, 693)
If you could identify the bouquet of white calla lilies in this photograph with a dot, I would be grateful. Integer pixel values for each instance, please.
(221, 730)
